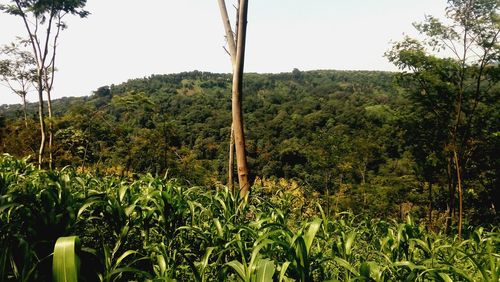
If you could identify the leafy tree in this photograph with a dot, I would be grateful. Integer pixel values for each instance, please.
(452, 87)
(43, 22)
(17, 71)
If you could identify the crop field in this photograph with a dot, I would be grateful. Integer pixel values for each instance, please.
(152, 229)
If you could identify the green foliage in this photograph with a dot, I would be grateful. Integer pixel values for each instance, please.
(151, 229)
(446, 126)
(45, 8)
(356, 138)
(66, 263)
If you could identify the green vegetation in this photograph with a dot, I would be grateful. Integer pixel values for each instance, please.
(354, 175)
(352, 137)
(32, 60)
(157, 230)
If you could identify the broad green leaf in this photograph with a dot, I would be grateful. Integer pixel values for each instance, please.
(265, 270)
(311, 233)
(66, 264)
(301, 252)
(239, 268)
(349, 242)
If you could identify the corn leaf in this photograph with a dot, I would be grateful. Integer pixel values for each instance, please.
(265, 270)
(66, 264)
(239, 268)
(311, 233)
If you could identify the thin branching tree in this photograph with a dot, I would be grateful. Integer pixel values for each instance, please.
(43, 22)
(17, 71)
(453, 73)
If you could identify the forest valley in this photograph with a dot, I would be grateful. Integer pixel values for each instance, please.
(351, 140)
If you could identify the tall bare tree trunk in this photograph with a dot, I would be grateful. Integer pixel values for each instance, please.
(451, 195)
(239, 134)
(230, 180)
(460, 201)
(456, 126)
(42, 126)
(41, 114)
(237, 51)
(51, 129)
(49, 82)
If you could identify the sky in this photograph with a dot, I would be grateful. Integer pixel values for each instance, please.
(126, 39)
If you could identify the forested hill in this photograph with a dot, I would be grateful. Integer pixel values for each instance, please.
(350, 134)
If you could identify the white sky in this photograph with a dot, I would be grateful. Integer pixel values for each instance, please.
(125, 39)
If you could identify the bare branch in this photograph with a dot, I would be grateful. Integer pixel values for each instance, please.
(227, 51)
(229, 32)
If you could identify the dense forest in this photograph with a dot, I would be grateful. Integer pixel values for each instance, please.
(353, 138)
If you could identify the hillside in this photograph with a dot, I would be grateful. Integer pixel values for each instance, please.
(342, 134)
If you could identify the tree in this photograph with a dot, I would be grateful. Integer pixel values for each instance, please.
(17, 71)
(43, 21)
(236, 43)
(453, 86)
(426, 139)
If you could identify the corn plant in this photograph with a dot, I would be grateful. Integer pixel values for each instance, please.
(257, 269)
(151, 229)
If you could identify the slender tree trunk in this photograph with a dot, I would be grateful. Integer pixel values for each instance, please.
(49, 82)
(25, 112)
(460, 201)
(40, 66)
(451, 195)
(239, 135)
(453, 200)
(456, 163)
(430, 205)
(128, 163)
(237, 52)
(327, 192)
(51, 130)
(42, 126)
(337, 198)
(455, 129)
(230, 180)
(85, 157)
